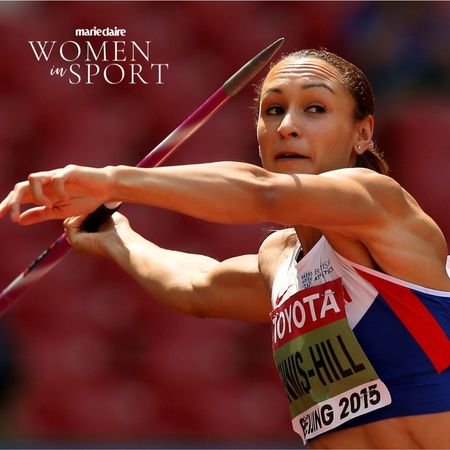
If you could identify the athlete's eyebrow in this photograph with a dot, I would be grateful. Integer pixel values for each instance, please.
(278, 90)
(317, 84)
(275, 90)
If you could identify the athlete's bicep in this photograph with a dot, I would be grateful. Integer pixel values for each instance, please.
(346, 200)
(233, 289)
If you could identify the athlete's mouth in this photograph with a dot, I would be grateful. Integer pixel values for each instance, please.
(289, 155)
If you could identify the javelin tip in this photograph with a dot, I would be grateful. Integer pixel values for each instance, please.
(237, 81)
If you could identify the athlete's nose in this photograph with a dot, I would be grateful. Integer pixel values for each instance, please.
(289, 126)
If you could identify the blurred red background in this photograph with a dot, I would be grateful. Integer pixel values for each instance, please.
(86, 356)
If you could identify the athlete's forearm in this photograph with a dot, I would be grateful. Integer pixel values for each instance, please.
(225, 192)
(348, 200)
(165, 274)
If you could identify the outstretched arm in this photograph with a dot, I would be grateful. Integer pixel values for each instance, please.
(352, 203)
(226, 192)
(193, 284)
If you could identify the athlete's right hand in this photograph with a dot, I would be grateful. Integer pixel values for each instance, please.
(60, 193)
(114, 232)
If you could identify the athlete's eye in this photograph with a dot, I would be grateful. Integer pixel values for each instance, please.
(275, 110)
(316, 109)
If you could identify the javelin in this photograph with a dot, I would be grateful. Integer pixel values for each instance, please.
(60, 247)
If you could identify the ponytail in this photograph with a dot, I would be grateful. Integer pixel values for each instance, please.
(373, 159)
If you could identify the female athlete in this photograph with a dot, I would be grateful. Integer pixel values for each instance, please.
(356, 287)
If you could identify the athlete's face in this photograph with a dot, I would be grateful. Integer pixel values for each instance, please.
(306, 122)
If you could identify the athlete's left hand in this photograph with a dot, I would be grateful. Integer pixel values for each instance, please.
(60, 193)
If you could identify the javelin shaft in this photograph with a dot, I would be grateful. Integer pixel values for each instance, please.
(162, 151)
(60, 247)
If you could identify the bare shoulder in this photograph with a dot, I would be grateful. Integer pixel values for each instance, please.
(279, 243)
(403, 240)
(359, 173)
(273, 251)
(403, 212)
(385, 196)
(367, 178)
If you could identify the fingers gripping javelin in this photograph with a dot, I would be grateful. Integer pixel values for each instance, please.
(48, 190)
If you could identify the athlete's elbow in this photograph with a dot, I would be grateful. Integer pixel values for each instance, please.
(270, 200)
(264, 197)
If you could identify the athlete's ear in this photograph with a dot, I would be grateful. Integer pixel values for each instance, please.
(364, 134)
(259, 152)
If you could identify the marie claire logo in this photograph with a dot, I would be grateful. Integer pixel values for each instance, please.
(100, 32)
(111, 61)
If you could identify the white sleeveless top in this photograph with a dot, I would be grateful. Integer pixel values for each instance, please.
(390, 319)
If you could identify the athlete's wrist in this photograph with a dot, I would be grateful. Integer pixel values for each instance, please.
(121, 181)
(120, 243)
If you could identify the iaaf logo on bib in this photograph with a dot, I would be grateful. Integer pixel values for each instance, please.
(113, 60)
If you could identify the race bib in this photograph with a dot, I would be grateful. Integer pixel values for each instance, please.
(326, 374)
